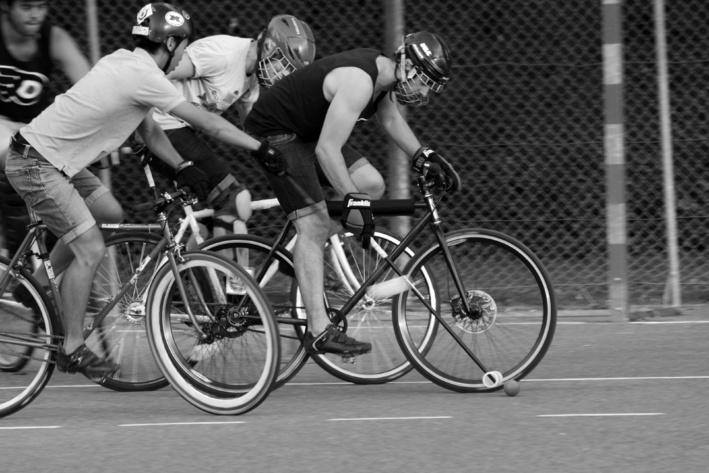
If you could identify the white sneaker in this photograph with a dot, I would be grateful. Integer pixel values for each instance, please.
(203, 351)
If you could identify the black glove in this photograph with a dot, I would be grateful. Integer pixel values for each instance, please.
(425, 155)
(357, 216)
(271, 158)
(193, 179)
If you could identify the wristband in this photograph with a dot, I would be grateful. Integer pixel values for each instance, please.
(183, 165)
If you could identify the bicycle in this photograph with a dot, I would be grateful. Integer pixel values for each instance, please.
(190, 300)
(471, 310)
(347, 264)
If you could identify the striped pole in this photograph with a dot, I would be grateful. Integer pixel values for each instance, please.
(398, 163)
(94, 55)
(615, 159)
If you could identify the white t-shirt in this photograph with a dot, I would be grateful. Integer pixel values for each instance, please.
(101, 111)
(220, 78)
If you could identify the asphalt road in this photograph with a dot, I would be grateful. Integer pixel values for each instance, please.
(607, 398)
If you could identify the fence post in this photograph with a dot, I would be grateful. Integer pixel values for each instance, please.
(397, 160)
(94, 55)
(673, 286)
(615, 159)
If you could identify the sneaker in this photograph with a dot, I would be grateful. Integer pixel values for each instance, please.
(23, 296)
(334, 341)
(84, 361)
(203, 351)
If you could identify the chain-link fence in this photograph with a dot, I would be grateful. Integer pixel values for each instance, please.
(522, 119)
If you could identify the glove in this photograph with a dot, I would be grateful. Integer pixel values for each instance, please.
(357, 216)
(427, 155)
(271, 159)
(193, 179)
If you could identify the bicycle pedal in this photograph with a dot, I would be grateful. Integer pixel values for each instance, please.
(350, 359)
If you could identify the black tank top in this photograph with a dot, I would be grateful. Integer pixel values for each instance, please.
(23, 84)
(296, 103)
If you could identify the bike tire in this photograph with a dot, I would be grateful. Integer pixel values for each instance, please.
(27, 342)
(511, 325)
(232, 368)
(121, 335)
(279, 286)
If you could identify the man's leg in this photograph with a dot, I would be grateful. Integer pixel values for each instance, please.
(369, 180)
(88, 250)
(309, 266)
(105, 209)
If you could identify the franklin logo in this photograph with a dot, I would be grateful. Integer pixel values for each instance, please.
(359, 203)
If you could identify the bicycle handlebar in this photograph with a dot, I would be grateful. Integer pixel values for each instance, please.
(179, 195)
(380, 208)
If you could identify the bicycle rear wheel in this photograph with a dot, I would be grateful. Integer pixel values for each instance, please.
(27, 343)
(121, 335)
(371, 319)
(276, 277)
(230, 366)
(512, 318)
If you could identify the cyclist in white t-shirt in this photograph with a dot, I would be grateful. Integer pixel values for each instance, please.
(48, 158)
(220, 71)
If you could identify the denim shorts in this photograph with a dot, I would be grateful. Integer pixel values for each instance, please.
(62, 203)
(305, 170)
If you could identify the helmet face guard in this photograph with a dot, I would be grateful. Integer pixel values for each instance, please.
(287, 44)
(274, 68)
(427, 59)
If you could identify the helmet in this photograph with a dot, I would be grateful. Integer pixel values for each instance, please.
(429, 59)
(290, 45)
(158, 21)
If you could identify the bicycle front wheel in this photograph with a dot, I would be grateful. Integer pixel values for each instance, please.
(27, 342)
(120, 335)
(511, 320)
(213, 334)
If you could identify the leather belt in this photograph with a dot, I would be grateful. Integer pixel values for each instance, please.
(20, 145)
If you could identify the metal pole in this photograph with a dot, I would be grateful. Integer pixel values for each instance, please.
(398, 163)
(673, 279)
(94, 55)
(614, 132)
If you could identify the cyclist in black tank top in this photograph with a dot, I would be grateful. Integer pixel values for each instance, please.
(29, 49)
(309, 117)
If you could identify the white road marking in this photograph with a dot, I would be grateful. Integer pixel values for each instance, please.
(620, 414)
(28, 427)
(391, 418)
(181, 423)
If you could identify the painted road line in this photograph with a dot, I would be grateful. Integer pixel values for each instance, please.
(620, 414)
(637, 378)
(30, 427)
(526, 380)
(391, 418)
(181, 423)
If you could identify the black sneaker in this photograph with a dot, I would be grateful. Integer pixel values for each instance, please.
(23, 296)
(334, 341)
(84, 361)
